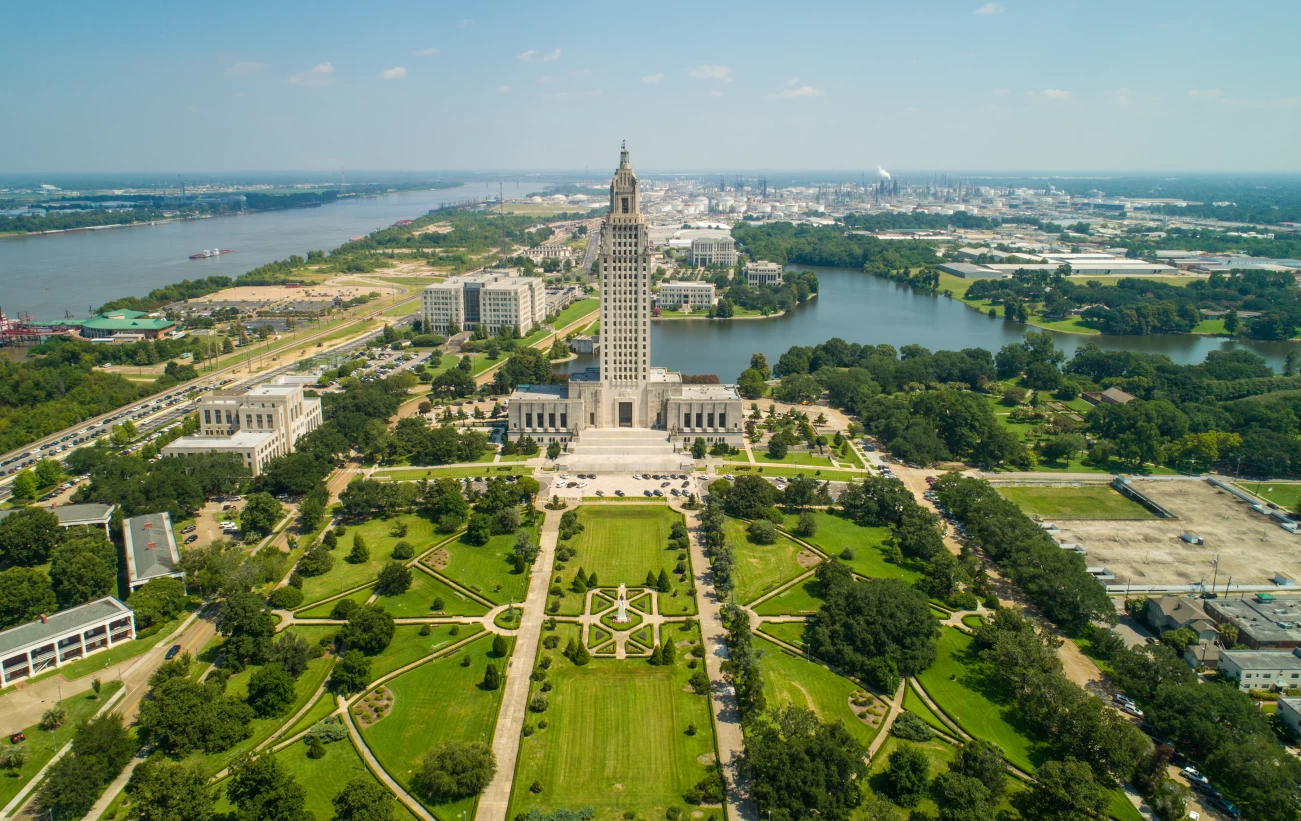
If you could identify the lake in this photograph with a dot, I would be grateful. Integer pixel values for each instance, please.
(861, 308)
(46, 275)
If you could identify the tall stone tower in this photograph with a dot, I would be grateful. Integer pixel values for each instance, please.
(625, 300)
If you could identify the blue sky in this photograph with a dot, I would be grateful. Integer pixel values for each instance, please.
(1148, 86)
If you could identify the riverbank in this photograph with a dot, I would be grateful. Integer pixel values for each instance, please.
(748, 314)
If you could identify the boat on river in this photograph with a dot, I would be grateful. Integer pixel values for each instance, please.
(215, 252)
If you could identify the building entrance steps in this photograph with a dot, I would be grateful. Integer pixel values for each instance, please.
(623, 450)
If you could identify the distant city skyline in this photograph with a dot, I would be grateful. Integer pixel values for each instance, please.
(999, 87)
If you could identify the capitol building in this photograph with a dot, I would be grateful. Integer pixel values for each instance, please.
(626, 413)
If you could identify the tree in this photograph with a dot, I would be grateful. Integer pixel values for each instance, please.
(156, 601)
(394, 579)
(807, 525)
(25, 594)
(249, 626)
(270, 690)
(260, 514)
(310, 513)
(662, 583)
(750, 497)
(83, 568)
(351, 672)
(292, 652)
(48, 472)
(553, 450)
(761, 531)
(759, 364)
(907, 775)
(750, 384)
(161, 790)
(795, 762)
(698, 448)
(777, 447)
(1066, 791)
(360, 553)
(369, 629)
(963, 798)
(499, 646)
(982, 761)
(24, 485)
(28, 535)
(491, 678)
(262, 790)
(363, 799)
(182, 715)
(455, 769)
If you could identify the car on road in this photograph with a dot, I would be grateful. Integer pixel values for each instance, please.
(172, 652)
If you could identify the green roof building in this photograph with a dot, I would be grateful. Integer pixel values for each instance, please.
(125, 323)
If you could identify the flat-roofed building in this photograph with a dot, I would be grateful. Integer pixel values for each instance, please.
(762, 272)
(1262, 669)
(55, 640)
(491, 298)
(150, 549)
(713, 251)
(1289, 710)
(259, 423)
(1263, 622)
(88, 515)
(676, 294)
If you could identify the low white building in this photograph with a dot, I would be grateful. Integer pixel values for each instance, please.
(88, 515)
(762, 272)
(150, 549)
(1289, 709)
(713, 251)
(552, 250)
(258, 423)
(490, 298)
(1262, 669)
(675, 294)
(53, 641)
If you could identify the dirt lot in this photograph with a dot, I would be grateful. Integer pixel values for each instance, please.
(278, 293)
(1250, 546)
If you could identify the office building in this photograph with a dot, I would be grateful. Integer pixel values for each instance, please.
(258, 423)
(690, 295)
(494, 299)
(713, 251)
(762, 272)
(53, 641)
(1262, 669)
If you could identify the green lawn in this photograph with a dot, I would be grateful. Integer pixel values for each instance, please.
(760, 567)
(850, 458)
(913, 703)
(436, 702)
(791, 632)
(419, 598)
(408, 645)
(324, 778)
(1211, 326)
(322, 611)
(835, 533)
(487, 569)
(941, 755)
(575, 312)
(380, 544)
(789, 679)
(799, 600)
(616, 739)
(964, 698)
(620, 543)
(1082, 502)
(793, 457)
(321, 708)
(822, 474)
(42, 745)
(1280, 493)
(414, 474)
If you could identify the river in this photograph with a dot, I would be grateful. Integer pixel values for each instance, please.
(861, 308)
(48, 274)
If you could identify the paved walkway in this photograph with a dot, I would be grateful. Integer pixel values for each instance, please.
(374, 766)
(495, 800)
(722, 697)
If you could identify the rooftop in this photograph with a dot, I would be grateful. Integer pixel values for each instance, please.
(239, 439)
(61, 623)
(71, 515)
(534, 391)
(150, 546)
(1262, 659)
(1262, 620)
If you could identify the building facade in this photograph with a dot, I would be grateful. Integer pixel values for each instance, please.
(493, 299)
(625, 391)
(675, 294)
(762, 272)
(1262, 669)
(259, 423)
(713, 251)
(53, 641)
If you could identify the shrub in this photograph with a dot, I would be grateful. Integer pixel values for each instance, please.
(911, 727)
(53, 718)
(762, 531)
(438, 604)
(403, 551)
(285, 598)
(538, 703)
(847, 554)
(343, 609)
(315, 749)
(424, 630)
(699, 683)
(327, 730)
(807, 525)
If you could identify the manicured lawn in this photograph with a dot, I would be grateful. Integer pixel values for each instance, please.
(913, 703)
(414, 474)
(320, 709)
(322, 611)
(575, 312)
(850, 457)
(1210, 326)
(324, 778)
(835, 533)
(821, 474)
(621, 543)
(802, 599)
(408, 645)
(42, 745)
(379, 542)
(487, 569)
(1083, 502)
(791, 632)
(793, 457)
(965, 700)
(616, 739)
(419, 598)
(1280, 493)
(760, 567)
(436, 702)
(789, 679)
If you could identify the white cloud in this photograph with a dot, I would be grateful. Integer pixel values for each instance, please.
(425, 52)
(320, 75)
(244, 67)
(503, 89)
(532, 54)
(580, 72)
(710, 72)
(652, 79)
(395, 73)
(716, 94)
(1217, 96)
(792, 89)
(239, 95)
(554, 55)
(526, 56)
(989, 8)
(1056, 95)
(1122, 96)
(1001, 92)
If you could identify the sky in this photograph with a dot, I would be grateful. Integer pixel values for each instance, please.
(975, 86)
